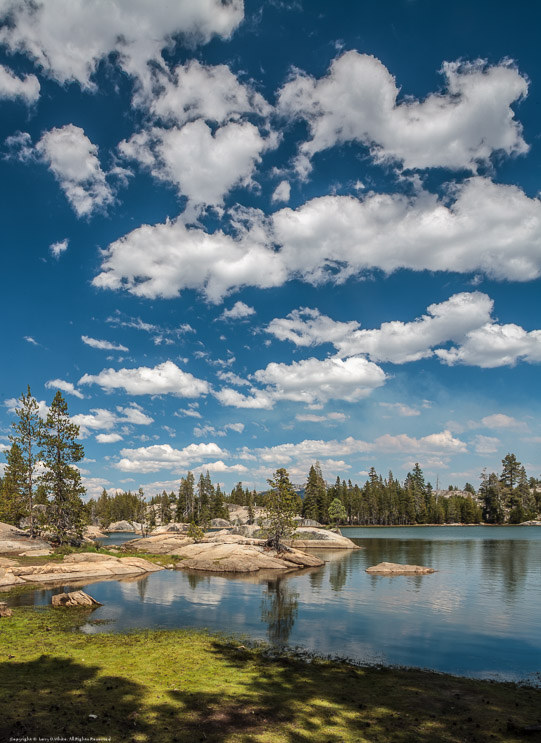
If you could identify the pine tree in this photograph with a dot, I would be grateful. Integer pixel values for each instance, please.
(13, 504)
(186, 499)
(26, 436)
(59, 451)
(310, 506)
(510, 471)
(337, 512)
(280, 510)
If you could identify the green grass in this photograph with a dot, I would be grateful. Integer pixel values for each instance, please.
(186, 686)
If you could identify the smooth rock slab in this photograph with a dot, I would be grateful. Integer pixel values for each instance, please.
(241, 558)
(393, 568)
(75, 598)
(77, 567)
(313, 538)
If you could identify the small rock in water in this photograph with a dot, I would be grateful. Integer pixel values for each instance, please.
(4, 611)
(393, 568)
(75, 598)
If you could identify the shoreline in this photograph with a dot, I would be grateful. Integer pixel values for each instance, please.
(155, 685)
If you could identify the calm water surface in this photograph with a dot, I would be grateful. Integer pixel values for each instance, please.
(478, 616)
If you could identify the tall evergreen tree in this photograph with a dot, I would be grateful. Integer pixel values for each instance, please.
(59, 451)
(13, 504)
(510, 471)
(280, 507)
(26, 433)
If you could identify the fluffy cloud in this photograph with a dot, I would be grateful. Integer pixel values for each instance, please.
(98, 419)
(479, 227)
(102, 345)
(203, 165)
(60, 384)
(308, 450)
(434, 443)
(164, 456)
(239, 311)
(163, 379)
(500, 420)
(108, 438)
(73, 159)
(212, 93)
(257, 399)
(463, 318)
(308, 327)
(58, 248)
(282, 192)
(495, 345)
(68, 40)
(164, 259)
(134, 414)
(312, 380)
(12, 87)
(357, 101)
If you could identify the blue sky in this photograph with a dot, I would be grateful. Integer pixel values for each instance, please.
(246, 236)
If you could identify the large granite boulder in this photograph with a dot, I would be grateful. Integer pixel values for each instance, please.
(223, 552)
(15, 541)
(76, 567)
(91, 533)
(311, 537)
(305, 522)
(158, 544)
(241, 558)
(393, 568)
(219, 523)
(124, 526)
(173, 528)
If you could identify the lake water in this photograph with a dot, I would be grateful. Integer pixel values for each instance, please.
(479, 615)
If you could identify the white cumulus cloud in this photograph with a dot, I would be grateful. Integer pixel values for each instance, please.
(239, 311)
(163, 379)
(164, 456)
(61, 384)
(457, 128)
(73, 159)
(12, 87)
(67, 40)
(313, 380)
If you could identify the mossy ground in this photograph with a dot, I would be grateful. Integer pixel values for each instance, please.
(161, 687)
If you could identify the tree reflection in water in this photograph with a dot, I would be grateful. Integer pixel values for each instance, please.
(279, 610)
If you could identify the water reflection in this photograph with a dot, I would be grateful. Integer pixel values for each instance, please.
(279, 610)
(477, 615)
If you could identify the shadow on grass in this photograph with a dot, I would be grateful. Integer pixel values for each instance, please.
(283, 699)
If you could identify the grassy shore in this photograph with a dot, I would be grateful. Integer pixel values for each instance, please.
(188, 686)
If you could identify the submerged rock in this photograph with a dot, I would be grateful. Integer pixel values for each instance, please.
(75, 598)
(393, 568)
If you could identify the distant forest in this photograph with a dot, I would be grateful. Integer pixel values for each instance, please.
(509, 497)
(42, 489)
